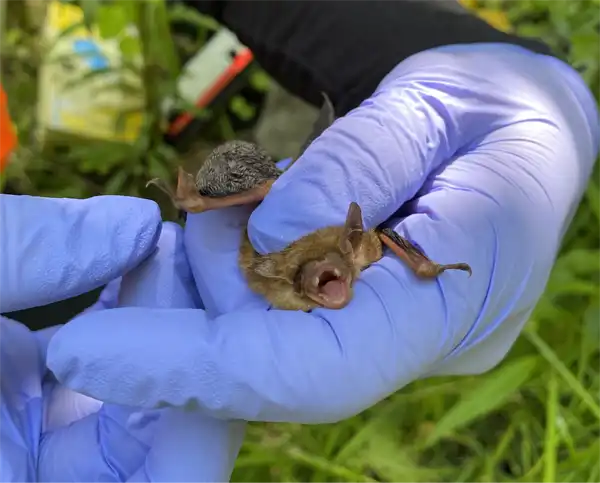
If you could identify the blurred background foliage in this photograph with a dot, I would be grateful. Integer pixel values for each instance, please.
(533, 418)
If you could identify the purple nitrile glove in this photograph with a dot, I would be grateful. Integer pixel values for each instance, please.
(49, 433)
(169, 444)
(53, 249)
(487, 148)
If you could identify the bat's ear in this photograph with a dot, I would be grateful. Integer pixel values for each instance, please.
(324, 120)
(353, 230)
(267, 268)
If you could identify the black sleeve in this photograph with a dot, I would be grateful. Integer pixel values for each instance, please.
(345, 48)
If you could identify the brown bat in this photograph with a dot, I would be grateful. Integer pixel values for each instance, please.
(319, 269)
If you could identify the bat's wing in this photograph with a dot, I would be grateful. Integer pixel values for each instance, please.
(324, 120)
(186, 196)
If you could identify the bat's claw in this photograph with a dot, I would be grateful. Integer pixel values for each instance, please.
(161, 185)
(453, 266)
(185, 196)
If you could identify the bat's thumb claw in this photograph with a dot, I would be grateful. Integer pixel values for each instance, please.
(456, 266)
(161, 185)
(154, 181)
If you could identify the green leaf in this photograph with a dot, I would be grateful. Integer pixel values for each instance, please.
(551, 357)
(178, 12)
(493, 391)
(88, 76)
(391, 461)
(241, 108)
(585, 49)
(551, 440)
(593, 196)
(116, 183)
(90, 11)
(156, 169)
(130, 47)
(260, 80)
(112, 21)
(590, 337)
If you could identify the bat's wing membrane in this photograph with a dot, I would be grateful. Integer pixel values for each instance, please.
(324, 120)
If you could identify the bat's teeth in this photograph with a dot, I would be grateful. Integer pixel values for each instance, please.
(337, 273)
(317, 281)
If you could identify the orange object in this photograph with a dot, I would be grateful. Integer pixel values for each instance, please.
(8, 136)
(240, 62)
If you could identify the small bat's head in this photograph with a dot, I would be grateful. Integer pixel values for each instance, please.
(235, 167)
(319, 270)
(328, 280)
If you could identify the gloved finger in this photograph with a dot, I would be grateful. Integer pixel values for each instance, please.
(54, 249)
(431, 107)
(108, 299)
(76, 422)
(212, 241)
(84, 450)
(153, 455)
(187, 445)
(144, 446)
(190, 446)
(164, 280)
(20, 401)
(62, 406)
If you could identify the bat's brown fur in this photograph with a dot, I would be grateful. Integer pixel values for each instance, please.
(277, 276)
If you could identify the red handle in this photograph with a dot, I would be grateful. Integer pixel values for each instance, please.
(8, 136)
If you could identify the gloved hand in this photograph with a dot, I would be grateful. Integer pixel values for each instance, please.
(488, 149)
(54, 249)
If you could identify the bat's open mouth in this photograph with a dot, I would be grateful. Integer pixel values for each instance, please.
(327, 282)
(333, 288)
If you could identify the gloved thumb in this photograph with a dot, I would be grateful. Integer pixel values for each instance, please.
(212, 243)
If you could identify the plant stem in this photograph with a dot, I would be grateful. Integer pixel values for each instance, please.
(150, 77)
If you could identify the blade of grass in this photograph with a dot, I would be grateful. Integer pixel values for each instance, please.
(593, 197)
(547, 353)
(498, 454)
(551, 440)
(322, 464)
(490, 394)
(386, 413)
(595, 473)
